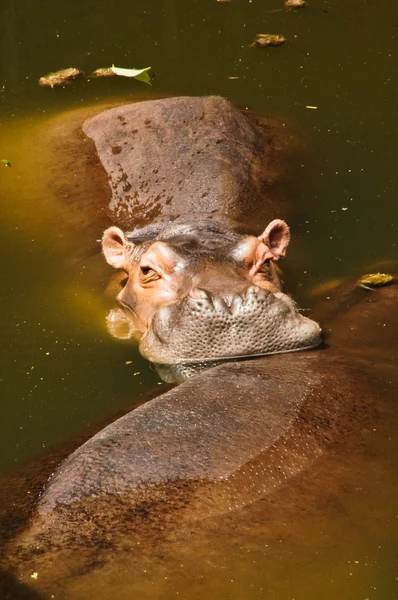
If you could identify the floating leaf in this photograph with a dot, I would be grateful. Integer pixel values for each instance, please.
(375, 280)
(103, 72)
(61, 77)
(6, 162)
(264, 40)
(295, 3)
(140, 74)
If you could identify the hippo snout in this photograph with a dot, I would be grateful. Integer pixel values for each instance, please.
(209, 326)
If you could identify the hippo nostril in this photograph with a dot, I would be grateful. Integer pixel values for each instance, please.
(237, 303)
(255, 293)
(222, 304)
(229, 299)
(198, 294)
(253, 290)
(201, 297)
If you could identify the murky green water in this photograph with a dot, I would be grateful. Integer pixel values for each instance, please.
(60, 370)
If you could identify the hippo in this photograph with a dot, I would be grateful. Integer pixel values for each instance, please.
(254, 421)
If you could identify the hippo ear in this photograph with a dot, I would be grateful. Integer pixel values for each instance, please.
(276, 237)
(116, 247)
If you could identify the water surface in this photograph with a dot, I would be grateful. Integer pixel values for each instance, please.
(60, 370)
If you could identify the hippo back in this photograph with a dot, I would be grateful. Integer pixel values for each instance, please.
(199, 157)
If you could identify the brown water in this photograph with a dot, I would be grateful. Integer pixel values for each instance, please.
(60, 370)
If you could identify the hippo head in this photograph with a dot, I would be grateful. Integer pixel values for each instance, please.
(200, 292)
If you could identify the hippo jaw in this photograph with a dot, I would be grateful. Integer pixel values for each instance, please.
(206, 328)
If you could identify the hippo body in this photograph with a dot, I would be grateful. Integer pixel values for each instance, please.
(295, 431)
(204, 438)
(232, 433)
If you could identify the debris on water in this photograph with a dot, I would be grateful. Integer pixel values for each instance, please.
(311, 107)
(60, 77)
(372, 280)
(6, 162)
(223, 1)
(104, 72)
(233, 77)
(293, 4)
(129, 362)
(140, 74)
(263, 40)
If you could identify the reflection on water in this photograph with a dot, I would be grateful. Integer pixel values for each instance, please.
(61, 371)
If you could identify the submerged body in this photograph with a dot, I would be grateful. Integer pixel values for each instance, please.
(159, 480)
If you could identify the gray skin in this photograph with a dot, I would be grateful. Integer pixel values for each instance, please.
(201, 158)
(233, 434)
(197, 288)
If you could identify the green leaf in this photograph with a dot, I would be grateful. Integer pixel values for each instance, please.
(140, 74)
(145, 77)
(6, 162)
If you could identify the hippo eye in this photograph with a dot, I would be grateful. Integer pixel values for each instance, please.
(148, 274)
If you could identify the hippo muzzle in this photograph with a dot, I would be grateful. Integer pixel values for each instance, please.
(253, 323)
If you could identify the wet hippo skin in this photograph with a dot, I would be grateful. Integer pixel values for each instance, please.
(196, 156)
(191, 178)
(223, 439)
(229, 435)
